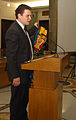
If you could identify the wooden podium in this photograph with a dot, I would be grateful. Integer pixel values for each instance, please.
(45, 97)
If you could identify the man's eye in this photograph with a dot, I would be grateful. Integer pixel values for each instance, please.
(28, 15)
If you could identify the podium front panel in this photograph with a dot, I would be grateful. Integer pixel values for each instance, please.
(45, 104)
(45, 80)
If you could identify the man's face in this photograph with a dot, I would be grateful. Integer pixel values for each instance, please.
(25, 18)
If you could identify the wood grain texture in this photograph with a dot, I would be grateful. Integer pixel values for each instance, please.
(45, 104)
(53, 64)
(45, 80)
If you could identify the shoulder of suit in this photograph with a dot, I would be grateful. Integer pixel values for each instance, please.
(14, 27)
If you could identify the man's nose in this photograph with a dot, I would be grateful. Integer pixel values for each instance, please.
(30, 17)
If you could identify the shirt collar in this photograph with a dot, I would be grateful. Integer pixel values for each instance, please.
(22, 26)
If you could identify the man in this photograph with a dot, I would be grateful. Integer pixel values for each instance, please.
(19, 50)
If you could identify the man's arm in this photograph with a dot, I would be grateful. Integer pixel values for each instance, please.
(33, 29)
(12, 48)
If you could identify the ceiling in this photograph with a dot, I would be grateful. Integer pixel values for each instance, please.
(31, 3)
(16, 1)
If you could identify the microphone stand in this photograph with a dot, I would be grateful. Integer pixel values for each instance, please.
(61, 81)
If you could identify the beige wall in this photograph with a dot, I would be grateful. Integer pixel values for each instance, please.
(67, 25)
(6, 13)
(40, 17)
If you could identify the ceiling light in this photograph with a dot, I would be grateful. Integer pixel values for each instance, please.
(8, 4)
(38, 3)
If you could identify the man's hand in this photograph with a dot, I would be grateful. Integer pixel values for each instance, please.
(36, 24)
(16, 81)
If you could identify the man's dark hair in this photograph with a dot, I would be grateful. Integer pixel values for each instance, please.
(21, 9)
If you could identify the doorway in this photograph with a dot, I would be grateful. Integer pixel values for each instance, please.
(5, 24)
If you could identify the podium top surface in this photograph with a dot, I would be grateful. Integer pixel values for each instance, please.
(53, 63)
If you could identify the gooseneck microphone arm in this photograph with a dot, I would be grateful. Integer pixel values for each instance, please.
(57, 46)
(60, 47)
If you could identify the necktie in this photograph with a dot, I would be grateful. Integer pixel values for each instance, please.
(31, 53)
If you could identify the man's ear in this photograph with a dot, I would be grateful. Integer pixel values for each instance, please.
(19, 15)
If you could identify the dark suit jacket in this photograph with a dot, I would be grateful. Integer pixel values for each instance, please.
(18, 51)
